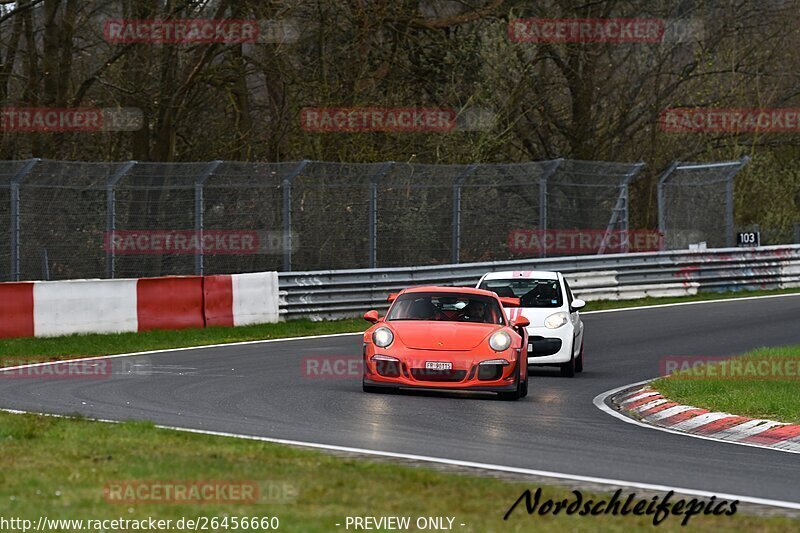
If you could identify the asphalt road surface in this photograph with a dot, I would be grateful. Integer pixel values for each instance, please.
(262, 389)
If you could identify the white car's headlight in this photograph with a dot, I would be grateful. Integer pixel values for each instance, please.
(500, 341)
(382, 337)
(556, 320)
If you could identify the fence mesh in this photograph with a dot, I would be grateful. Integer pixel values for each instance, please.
(330, 215)
(62, 209)
(497, 200)
(245, 197)
(155, 197)
(8, 170)
(415, 214)
(589, 194)
(696, 204)
(127, 219)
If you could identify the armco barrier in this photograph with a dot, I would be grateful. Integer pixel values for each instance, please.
(343, 293)
(49, 308)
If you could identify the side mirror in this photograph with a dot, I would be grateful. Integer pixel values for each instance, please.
(392, 297)
(577, 304)
(371, 316)
(509, 302)
(522, 322)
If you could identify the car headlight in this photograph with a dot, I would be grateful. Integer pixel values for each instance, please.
(500, 341)
(556, 320)
(382, 337)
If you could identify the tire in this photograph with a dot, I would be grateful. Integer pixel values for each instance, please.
(371, 388)
(517, 393)
(579, 360)
(524, 387)
(569, 368)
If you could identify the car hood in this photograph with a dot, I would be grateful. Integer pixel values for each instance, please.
(446, 336)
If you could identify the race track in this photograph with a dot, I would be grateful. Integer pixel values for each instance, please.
(260, 389)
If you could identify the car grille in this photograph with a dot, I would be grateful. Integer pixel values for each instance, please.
(388, 369)
(544, 346)
(490, 372)
(426, 374)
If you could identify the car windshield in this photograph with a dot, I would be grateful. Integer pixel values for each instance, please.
(531, 292)
(448, 307)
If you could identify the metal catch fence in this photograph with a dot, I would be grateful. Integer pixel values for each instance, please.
(71, 220)
(695, 203)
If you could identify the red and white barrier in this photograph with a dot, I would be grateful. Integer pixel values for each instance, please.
(49, 308)
(84, 306)
(255, 298)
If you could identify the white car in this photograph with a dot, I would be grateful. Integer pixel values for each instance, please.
(556, 330)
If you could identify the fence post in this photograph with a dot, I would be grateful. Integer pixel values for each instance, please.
(620, 207)
(730, 238)
(456, 242)
(199, 266)
(111, 217)
(625, 225)
(543, 200)
(45, 265)
(373, 212)
(286, 184)
(662, 214)
(16, 180)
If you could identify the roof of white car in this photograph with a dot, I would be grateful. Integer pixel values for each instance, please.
(512, 274)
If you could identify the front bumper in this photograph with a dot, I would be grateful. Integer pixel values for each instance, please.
(440, 387)
(466, 372)
(550, 346)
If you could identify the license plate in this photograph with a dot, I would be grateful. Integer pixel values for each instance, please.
(530, 347)
(435, 365)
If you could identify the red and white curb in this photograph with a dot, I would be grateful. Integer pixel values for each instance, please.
(648, 405)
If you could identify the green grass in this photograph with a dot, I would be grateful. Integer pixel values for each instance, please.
(58, 468)
(701, 297)
(71, 346)
(763, 396)
(12, 351)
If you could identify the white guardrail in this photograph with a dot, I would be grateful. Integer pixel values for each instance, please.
(326, 294)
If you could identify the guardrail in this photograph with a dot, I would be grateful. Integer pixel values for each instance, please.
(326, 294)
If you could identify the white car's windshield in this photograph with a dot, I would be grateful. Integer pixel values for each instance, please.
(531, 292)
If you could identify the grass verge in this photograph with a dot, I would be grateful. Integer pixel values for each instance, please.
(59, 468)
(764, 385)
(72, 346)
(701, 297)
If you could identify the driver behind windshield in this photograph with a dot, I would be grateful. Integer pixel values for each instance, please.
(446, 307)
(475, 311)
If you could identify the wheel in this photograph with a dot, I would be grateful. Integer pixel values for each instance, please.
(568, 369)
(579, 360)
(524, 387)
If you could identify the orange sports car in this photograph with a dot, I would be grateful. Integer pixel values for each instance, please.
(453, 338)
